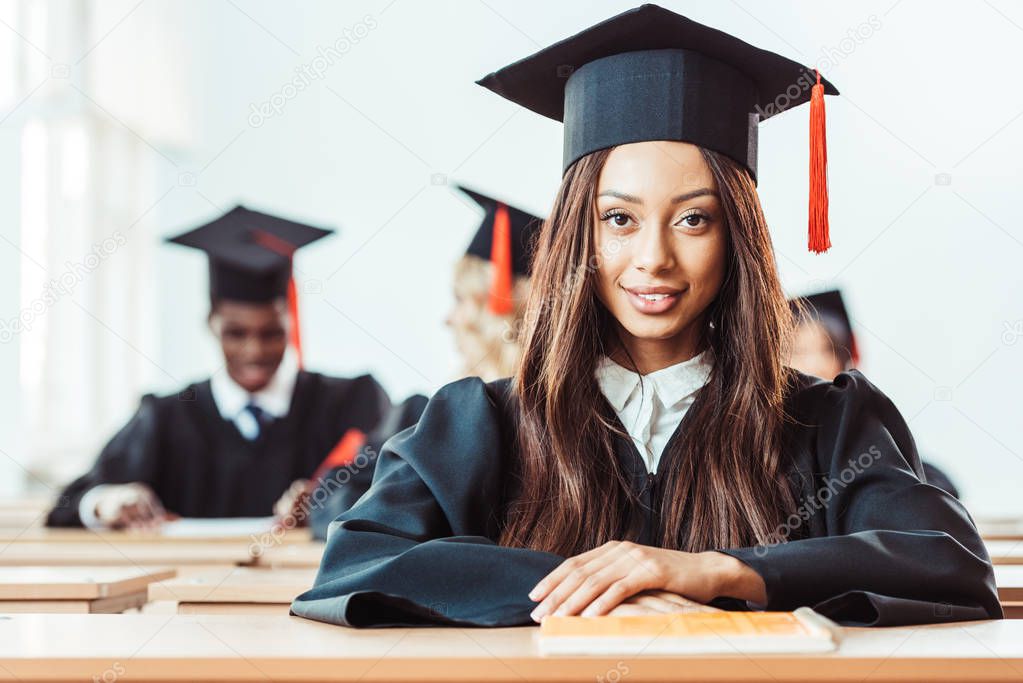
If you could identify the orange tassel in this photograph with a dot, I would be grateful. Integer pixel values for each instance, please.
(285, 248)
(343, 453)
(500, 302)
(296, 334)
(854, 352)
(819, 234)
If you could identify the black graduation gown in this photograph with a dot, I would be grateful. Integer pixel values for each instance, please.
(201, 466)
(935, 476)
(886, 548)
(342, 486)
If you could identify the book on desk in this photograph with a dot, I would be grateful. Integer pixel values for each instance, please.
(690, 633)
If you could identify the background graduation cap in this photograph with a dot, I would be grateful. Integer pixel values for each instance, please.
(505, 238)
(651, 74)
(250, 255)
(828, 309)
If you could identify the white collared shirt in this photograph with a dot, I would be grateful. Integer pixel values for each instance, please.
(652, 409)
(274, 399)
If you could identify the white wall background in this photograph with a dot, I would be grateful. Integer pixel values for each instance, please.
(924, 147)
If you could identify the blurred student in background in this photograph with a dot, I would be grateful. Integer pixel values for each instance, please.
(234, 444)
(824, 346)
(491, 283)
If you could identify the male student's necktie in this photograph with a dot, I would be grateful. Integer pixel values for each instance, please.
(261, 420)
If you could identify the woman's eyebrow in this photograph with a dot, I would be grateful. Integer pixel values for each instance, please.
(632, 199)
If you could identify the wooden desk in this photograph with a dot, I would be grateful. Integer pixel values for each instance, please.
(18, 514)
(76, 589)
(291, 555)
(1003, 529)
(95, 553)
(234, 590)
(46, 535)
(1009, 579)
(1005, 552)
(259, 648)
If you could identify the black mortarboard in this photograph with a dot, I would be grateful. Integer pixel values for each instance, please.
(829, 310)
(505, 238)
(651, 74)
(250, 253)
(524, 228)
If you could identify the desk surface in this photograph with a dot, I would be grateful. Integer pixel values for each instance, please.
(132, 553)
(294, 555)
(236, 585)
(1005, 552)
(280, 648)
(1009, 579)
(1005, 528)
(76, 583)
(39, 534)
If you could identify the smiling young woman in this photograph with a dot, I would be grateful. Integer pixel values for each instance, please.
(652, 451)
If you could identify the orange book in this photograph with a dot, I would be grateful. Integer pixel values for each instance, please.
(690, 633)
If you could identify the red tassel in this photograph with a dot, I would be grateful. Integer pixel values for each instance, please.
(819, 233)
(296, 334)
(285, 248)
(343, 453)
(854, 352)
(500, 302)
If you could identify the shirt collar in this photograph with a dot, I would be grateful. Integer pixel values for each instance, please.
(274, 398)
(671, 384)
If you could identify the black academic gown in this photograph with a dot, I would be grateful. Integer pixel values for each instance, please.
(201, 466)
(342, 486)
(935, 476)
(885, 549)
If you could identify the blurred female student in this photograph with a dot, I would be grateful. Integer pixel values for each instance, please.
(652, 448)
(491, 283)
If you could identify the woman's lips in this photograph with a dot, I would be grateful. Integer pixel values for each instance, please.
(653, 300)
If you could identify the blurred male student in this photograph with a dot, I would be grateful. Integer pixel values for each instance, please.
(234, 444)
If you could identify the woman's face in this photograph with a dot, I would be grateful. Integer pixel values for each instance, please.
(462, 319)
(661, 245)
(813, 353)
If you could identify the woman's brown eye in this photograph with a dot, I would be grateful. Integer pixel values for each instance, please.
(620, 220)
(693, 220)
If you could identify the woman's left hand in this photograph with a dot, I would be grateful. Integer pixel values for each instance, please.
(597, 581)
(658, 602)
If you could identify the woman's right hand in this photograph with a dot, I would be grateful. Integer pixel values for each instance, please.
(129, 506)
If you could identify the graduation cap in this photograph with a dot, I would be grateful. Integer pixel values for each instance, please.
(505, 238)
(250, 256)
(651, 74)
(828, 309)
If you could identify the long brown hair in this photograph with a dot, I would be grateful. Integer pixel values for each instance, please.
(723, 481)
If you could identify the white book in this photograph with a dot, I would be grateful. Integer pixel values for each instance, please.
(216, 527)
